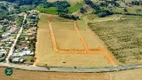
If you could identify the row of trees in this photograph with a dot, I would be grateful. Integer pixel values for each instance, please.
(59, 7)
(91, 4)
(112, 3)
(3, 11)
(98, 11)
(136, 2)
(26, 2)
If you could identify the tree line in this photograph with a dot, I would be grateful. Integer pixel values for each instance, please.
(98, 11)
(59, 7)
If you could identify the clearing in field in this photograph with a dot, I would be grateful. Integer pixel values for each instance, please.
(55, 43)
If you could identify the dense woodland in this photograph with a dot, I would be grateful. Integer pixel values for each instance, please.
(26, 2)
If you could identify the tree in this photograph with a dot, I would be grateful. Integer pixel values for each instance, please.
(91, 4)
(103, 13)
(82, 10)
(125, 10)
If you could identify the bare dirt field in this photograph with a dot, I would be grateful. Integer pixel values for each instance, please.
(47, 56)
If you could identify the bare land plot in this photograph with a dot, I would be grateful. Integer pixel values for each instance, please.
(66, 35)
(90, 38)
(122, 37)
(47, 56)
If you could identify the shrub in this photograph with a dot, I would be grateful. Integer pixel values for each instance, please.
(67, 16)
(103, 13)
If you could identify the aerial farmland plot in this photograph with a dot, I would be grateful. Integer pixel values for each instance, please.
(64, 47)
(122, 38)
(66, 35)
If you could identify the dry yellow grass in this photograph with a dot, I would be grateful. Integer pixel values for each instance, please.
(35, 75)
(90, 38)
(66, 36)
(91, 18)
(126, 75)
(70, 1)
(46, 55)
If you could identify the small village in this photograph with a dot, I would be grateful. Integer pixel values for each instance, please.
(8, 31)
(23, 52)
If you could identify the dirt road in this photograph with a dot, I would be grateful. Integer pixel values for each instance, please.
(15, 41)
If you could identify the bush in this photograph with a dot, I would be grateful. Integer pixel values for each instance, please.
(82, 10)
(67, 16)
(2, 59)
(103, 13)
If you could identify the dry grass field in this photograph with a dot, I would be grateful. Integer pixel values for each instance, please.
(47, 56)
(66, 35)
(35, 75)
(70, 1)
(126, 75)
(90, 38)
(123, 37)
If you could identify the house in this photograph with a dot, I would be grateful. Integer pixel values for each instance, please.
(5, 40)
(6, 34)
(17, 55)
(2, 52)
(28, 53)
(18, 60)
(21, 60)
(23, 53)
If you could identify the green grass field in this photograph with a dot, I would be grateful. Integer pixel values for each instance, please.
(75, 7)
(51, 10)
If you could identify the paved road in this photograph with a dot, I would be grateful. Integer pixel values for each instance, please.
(65, 69)
(15, 41)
